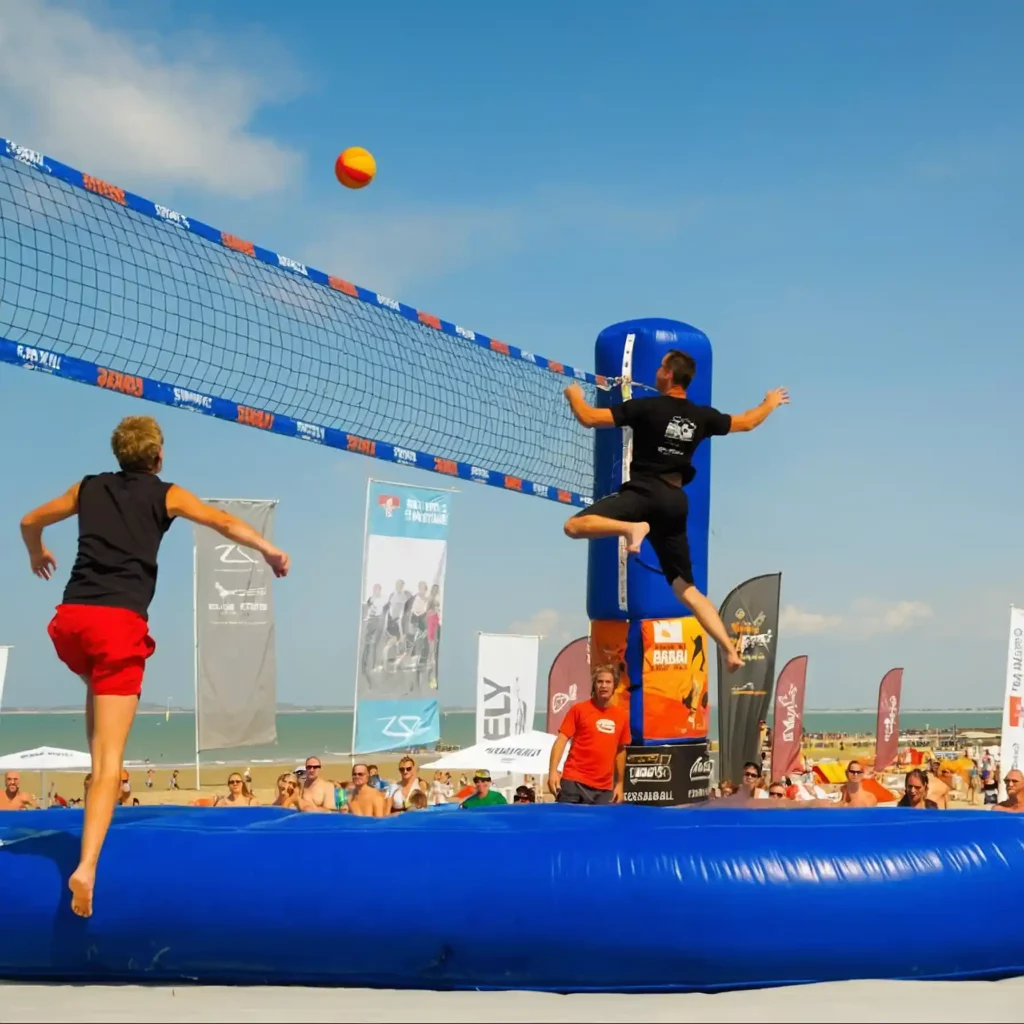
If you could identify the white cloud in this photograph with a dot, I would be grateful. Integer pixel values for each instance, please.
(127, 110)
(547, 623)
(795, 621)
(870, 618)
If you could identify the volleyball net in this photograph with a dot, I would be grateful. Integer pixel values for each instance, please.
(101, 286)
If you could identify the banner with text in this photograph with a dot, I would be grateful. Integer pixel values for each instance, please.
(506, 685)
(1012, 751)
(404, 560)
(887, 725)
(568, 681)
(788, 720)
(751, 615)
(236, 684)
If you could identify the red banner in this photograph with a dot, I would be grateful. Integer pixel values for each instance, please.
(788, 723)
(568, 682)
(887, 731)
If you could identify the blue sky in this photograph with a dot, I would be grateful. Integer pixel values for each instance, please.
(830, 191)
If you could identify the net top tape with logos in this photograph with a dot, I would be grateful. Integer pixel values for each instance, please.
(104, 287)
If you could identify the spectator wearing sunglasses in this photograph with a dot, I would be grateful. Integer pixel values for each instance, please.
(524, 795)
(852, 792)
(483, 795)
(777, 791)
(750, 787)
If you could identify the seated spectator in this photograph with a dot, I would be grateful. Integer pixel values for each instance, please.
(288, 793)
(237, 795)
(777, 791)
(524, 795)
(483, 795)
(915, 787)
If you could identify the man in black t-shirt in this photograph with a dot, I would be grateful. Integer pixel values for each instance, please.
(652, 503)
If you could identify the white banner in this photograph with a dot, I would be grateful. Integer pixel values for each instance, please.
(4, 651)
(506, 686)
(1013, 714)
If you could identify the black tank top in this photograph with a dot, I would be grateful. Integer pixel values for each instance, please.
(122, 518)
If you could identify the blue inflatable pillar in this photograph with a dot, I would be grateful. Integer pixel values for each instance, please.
(635, 617)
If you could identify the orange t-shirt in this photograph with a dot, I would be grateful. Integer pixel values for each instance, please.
(596, 734)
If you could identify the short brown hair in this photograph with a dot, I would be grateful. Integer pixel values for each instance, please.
(683, 367)
(137, 442)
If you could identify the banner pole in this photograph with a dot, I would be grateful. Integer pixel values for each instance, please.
(195, 648)
(359, 636)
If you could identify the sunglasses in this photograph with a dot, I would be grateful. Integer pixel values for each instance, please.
(312, 767)
(359, 775)
(405, 768)
(234, 782)
(854, 771)
(777, 796)
(750, 775)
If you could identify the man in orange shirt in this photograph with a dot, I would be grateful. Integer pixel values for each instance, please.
(596, 766)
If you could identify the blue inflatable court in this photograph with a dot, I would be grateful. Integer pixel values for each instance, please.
(546, 897)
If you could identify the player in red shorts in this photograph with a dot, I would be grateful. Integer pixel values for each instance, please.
(100, 630)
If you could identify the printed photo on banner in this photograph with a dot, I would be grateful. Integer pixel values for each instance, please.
(400, 616)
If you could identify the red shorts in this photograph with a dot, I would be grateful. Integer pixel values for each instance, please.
(108, 647)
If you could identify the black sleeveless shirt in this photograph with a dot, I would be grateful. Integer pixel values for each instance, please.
(122, 518)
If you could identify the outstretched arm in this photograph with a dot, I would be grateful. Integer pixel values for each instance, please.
(32, 526)
(185, 504)
(586, 414)
(756, 416)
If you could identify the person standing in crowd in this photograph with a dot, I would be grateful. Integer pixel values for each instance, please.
(990, 787)
(1014, 782)
(12, 798)
(852, 792)
(409, 783)
(938, 786)
(288, 793)
(483, 795)
(595, 769)
(915, 788)
(238, 794)
(524, 795)
(441, 788)
(750, 786)
(317, 792)
(365, 801)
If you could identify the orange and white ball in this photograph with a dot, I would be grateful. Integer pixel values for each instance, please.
(355, 168)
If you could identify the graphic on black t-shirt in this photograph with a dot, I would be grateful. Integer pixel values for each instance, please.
(666, 433)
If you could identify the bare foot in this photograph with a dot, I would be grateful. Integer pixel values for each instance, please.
(637, 532)
(81, 886)
(733, 662)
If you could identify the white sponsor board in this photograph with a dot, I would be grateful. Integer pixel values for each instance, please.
(506, 686)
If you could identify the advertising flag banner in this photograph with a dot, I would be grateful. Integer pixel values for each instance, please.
(788, 720)
(506, 686)
(1012, 750)
(4, 652)
(404, 557)
(236, 667)
(887, 726)
(568, 681)
(751, 615)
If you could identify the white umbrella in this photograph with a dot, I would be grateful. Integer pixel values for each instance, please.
(519, 755)
(46, 759)
(43, 760)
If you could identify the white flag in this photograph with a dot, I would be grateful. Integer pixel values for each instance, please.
(506, 686)
(1013, 718)
(4, 651)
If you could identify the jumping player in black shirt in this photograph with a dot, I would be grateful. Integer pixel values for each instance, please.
(101, 630)
(666, 432)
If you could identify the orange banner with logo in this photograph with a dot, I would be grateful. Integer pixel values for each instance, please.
(674, 688)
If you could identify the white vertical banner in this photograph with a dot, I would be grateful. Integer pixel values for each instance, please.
(506, 685)
(1010, 755)
(4, 651)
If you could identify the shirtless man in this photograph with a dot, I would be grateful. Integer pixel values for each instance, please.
(938, 788)
(317, 792)
(12, 798)
(365, 801)
(1014, 782)
(852, 794)
(652, 504)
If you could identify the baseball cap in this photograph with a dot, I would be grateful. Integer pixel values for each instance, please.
(483, 775)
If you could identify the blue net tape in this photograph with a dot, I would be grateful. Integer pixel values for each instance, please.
(104, 287)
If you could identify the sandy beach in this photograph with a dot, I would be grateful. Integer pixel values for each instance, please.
(841, 1002)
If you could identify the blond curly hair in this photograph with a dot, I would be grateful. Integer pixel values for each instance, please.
(137, 443)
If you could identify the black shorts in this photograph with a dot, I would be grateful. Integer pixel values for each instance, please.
(664, 507)
(573, 792)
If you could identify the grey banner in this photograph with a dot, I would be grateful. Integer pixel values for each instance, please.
(751, 616)
(237, 668)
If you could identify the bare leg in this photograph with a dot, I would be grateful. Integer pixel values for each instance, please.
(592, 527)
(707, 615)
(111, 719)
